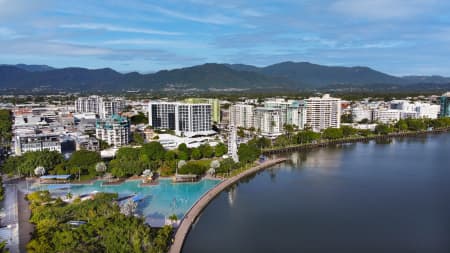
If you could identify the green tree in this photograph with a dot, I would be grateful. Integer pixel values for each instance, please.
(401, 125)
(247, 153)
(206, 150)
(170, 155)
(307, 136)
(333, 133)
(383, 129)
(153, 150)
(84, 160)
(138, 138)
(140, 118)
(220, 150)
(196, 154)
(348, 131)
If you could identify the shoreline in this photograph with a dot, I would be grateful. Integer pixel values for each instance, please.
(308, 146)
(191, 215)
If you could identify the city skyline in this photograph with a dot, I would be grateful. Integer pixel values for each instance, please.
(399, 38)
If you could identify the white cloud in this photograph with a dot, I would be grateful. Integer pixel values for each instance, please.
(382, 9)
(217, 19)
(113, 28)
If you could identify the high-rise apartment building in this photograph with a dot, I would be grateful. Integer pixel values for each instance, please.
(111, 107)
(215, 106)
(323, 112)
(115, 130)
(184, 118)
(241, 115)
(103, 107)
(268, 121)
(88, 104)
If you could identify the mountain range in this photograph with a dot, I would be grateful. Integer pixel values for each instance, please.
(209, 76)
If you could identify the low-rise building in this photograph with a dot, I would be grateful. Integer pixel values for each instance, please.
(29, 141)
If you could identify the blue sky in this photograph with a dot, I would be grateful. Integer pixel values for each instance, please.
(399, 37)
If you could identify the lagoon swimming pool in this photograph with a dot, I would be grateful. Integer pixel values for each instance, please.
(160, 201)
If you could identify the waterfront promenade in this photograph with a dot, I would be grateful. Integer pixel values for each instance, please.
(324, 143)
(197, 208)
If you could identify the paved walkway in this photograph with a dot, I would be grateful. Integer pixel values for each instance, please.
(197, 208)
(25, 227)
(10, 233)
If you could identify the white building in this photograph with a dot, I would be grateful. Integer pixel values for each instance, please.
(241, 115)
(426, 110)
(293, 112)
(323, 113)
(268, 121)
(103, 107)
(114, 130)
(360, 113)
(32, 141)
(386, 116)
(88, 104)
(111, 107)
(185, 119)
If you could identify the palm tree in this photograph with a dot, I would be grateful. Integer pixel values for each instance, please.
(173, 218)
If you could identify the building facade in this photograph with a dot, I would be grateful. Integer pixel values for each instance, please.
(241, 115)
(323, 112)
(111, 107)
(386, 116)
(184, 118)
(215, 106)
(445, 105)
(114, 130)
(268, 121)
(103, 107)
(88, 104)
(29, 142)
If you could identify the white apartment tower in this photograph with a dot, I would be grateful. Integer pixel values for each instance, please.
(111, 107)
(115, 130)
(323, 112)
(88, 104)
(103, 107)
(241, 115)
(184, 118)
(268, 121)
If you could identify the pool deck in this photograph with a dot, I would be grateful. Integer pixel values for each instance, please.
(197, 208)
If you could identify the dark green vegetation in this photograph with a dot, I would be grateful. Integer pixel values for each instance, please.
(281, 76)
(140, 118)
(106, 229)
(5, 128)
(133, 161)
(128, 161)
(81, 163)
(3, 248)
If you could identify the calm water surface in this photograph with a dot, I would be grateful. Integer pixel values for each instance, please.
(374, 197)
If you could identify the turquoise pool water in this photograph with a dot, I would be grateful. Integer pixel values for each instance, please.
(160, 201)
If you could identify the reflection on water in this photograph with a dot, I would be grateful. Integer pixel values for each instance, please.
(373, 197)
